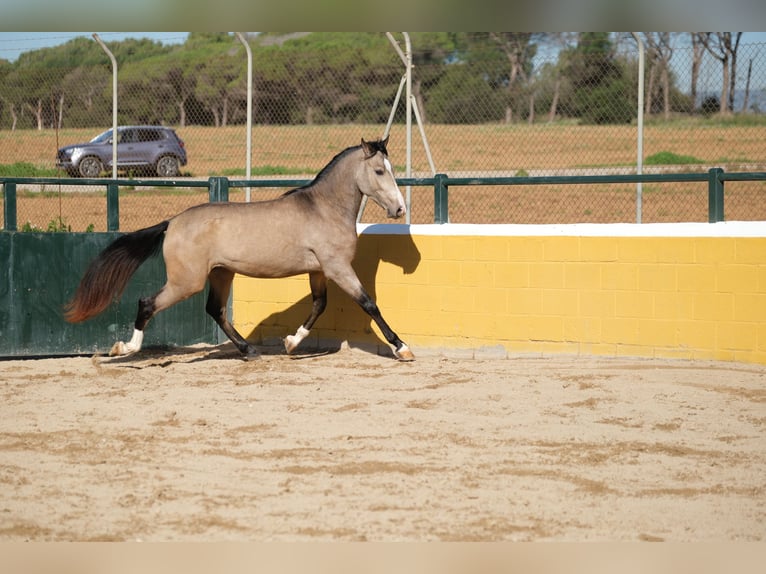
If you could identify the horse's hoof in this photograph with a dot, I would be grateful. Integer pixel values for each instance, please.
(250, 354)
(118, 349)
(291, 343)
(404, 354)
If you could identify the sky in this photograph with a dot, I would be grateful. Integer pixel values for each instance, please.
(13, 44)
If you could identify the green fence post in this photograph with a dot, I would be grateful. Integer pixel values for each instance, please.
(9, 205)
(441, 198)
(715, 195)
(112, 207)
(218, 189)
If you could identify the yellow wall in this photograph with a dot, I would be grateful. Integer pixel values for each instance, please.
(689, 296)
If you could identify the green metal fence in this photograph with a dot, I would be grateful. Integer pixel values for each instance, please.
(218, 188)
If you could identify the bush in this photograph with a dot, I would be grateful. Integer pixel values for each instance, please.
(710, 105)
(670, 158)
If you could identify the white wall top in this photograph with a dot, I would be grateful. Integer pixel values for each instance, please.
(722, 229)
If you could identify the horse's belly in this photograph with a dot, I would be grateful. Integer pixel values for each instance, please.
(273, 265)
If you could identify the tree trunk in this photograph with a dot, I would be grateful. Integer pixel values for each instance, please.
(38, 113)
(61, 111)
(555, 102)
(15, 117)
(732, 79)
(724, 103)
(747, 86)
(418, 93)
(697, 50)
(666, 91)
(649, 95)
(182, 113)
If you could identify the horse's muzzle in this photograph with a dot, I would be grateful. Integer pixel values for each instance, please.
(400, 212)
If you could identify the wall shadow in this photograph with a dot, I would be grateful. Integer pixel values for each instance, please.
(343, 316)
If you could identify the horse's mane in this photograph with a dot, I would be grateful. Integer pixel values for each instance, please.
(376, 146)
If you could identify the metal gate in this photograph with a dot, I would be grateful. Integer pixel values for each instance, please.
(42, 272)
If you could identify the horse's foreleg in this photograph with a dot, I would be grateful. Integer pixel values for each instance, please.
(350, 283)
(318, 283)
(401, 350)
(220, 285)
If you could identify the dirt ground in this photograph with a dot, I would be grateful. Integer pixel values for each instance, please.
(196, 444)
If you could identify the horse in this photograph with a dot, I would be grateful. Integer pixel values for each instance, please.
(310, 229)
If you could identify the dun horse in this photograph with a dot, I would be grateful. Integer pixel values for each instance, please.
(311, 230)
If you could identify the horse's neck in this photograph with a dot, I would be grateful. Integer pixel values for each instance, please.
(343, 196)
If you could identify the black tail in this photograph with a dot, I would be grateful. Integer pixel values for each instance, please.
(109, 273)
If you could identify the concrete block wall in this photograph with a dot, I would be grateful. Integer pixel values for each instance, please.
(695, 291)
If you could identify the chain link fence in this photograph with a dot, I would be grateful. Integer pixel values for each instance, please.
(489, 104)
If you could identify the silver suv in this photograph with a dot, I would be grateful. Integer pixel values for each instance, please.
(154, 149)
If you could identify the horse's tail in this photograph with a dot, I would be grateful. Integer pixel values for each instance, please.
(109, 273)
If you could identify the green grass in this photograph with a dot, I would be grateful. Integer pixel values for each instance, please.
(265, 170)
(26, 169)
(670, 158)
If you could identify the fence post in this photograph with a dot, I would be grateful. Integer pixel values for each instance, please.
(112, 207)
(218, 189)
(441, 198)
(9, 205)
(715, 195)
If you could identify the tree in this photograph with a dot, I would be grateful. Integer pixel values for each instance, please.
(553, 72)
(723, 47)
(659, 54)
(698, 49)
(5, 69)
(217, 84)
(463, 97)
(430, 53)
(601, 91)
(505, 61)
(86, 88)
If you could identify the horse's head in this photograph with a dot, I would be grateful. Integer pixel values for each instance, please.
(375, 178)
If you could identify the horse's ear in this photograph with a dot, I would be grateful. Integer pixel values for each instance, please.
(384, 143)
(368, 148)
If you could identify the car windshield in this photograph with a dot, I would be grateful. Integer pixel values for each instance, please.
(101, 138)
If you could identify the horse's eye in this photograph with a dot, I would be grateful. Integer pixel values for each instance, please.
(380, 171)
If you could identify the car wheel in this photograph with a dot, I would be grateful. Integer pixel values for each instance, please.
(167, 166)
(90, 167)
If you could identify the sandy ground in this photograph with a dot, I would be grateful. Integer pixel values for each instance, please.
(196, 444)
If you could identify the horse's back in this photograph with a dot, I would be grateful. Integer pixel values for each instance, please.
(258, 239)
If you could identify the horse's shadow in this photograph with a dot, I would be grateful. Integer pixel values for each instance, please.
(342, 315)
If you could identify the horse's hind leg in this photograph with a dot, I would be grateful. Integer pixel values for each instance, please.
(318, 283)
(148, 307)
(220, 285)
(145, 312)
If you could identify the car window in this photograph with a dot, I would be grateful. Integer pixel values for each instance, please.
(148, 135)
(126, 136)
(102, 137)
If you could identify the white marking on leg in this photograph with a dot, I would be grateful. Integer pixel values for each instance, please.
(132, 346)
(292, 341)
(403, 353)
